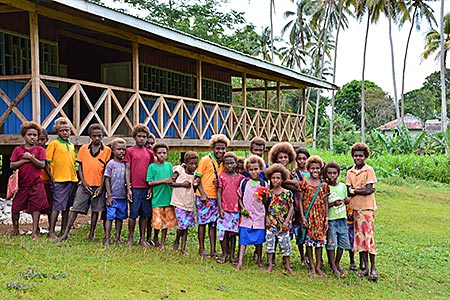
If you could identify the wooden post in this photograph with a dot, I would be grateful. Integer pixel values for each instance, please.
(199, 97)
(304, 114)
(278, 96)
(76, 118)
(135, 74)
(266, 95)
(35, 81)
(244, 89)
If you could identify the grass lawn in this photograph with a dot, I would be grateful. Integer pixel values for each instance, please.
(412, 234)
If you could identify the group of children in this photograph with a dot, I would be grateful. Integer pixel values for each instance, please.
(225, 195)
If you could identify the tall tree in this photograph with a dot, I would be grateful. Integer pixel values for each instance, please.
(433, 41)
(443, 69)
(418, 9)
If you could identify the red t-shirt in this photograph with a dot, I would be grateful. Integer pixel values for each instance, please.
(139, 160)
(230, 186)
(29, 174)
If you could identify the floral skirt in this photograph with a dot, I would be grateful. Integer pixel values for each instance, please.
(364, 223)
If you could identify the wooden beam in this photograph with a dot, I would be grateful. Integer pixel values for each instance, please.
(199, 80)
(135, 78)
(244, 89)
(8, 9)
(266, 95)
(264, 88)
(22, 5)
(94, 41)
(35, 81)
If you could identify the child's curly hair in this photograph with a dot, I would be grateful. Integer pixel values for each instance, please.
(190, 155)
(160, 145)
(302, 151)
(254, 159)
(240, 159)
(230, 154)
(60, 121)
(140, 128)
(116, 142)
(95, 126)
(331, 164)
(360, 147)
(315, 159)
(283, 147)
(258, 141)
(277, 168)
(218, 138)
(30, 125)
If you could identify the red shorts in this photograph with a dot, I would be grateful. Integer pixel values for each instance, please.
(30, 199)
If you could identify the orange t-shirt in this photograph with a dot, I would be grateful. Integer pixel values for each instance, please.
(359, 179)
(205, 171)
(93, 165)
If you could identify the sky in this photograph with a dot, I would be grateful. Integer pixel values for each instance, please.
(351, 45)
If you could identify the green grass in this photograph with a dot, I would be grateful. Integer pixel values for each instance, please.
(412, 237)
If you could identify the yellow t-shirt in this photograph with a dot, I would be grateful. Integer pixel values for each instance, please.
(61, 157)
(205, 171)
(93, 165)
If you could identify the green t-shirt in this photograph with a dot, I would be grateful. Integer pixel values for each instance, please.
(337, 192)
(162, 193)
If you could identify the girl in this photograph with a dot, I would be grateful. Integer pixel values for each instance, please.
(251, 231)
(313, 204)
(360, 180)
(227, 199)
(279, 216)
(183, 198)
(30, 160)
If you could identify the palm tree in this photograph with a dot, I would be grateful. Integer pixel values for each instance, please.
(420, 9)
(433, 41)
(272, 11)
(445, 22)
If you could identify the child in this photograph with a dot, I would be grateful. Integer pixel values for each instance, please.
(208, 171)
(46, 176)
(337, 236)
(183, 198)
(257, 147)
(116, 192)
(150, 142)
(227, 199)
(30, 160)
(61, 158)
(137, 159)
(240, 165)
(159, 178)
(252, 229)
(92, 159)
(300, 173)
(313, 203)
(360, 180)
(278, 217)
(282, 153)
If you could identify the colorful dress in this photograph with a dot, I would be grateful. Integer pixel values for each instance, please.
(230, 204)
(316, 234)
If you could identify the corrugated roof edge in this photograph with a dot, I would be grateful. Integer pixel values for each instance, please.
(181, 37)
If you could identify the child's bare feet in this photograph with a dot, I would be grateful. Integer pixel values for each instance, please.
(12, 233)
(269, 269)
(175, 247)
(144, 243)
(238, 267)
(260, 265)
(34, 236)
(320, 272)
(312, 272)
(106, 244)
(156, 243)
(118, 242)
(130, 242)
(289, 269)
(234, 260)
(337, 272)
(203, 254)
(161, 247)
(52, 237)
(184, 253)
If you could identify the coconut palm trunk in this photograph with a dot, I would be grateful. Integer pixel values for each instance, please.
(397, 109)
(363, 95)
(443, 71)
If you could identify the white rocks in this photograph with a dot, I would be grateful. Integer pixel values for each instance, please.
(5, 214)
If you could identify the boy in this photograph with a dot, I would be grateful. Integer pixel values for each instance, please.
(337, 235)
(29, 159)
(137, 159)
(92, 159)
(360, 180)
(46, 176)
(116, 203)
(159, 178)
(61, 159)
(208, 171)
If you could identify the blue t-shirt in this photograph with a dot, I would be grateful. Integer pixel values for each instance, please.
(116, 172)
(161, 193)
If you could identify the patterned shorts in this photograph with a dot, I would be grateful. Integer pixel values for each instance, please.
(163, 217)
(185, 219)
(206, 212)
(310, 242)
(284, 242)
(364, 231)
(230, 223)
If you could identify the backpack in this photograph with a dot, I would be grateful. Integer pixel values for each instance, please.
(244, 183)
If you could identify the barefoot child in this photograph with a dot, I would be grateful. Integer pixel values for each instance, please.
(240, 165)
(46, 176)
(337, 236)
(300, 173)
(313, 203)
(116, 192)
(159, 178)
(252, 229)
(183, 198)
(227, 199)
(92, 159)
(30, 160)
(279, 217)
(208, 171)
(137, 159)
(360, 180)
(61, 158)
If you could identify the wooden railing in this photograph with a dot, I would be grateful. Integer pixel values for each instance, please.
(118, 109)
